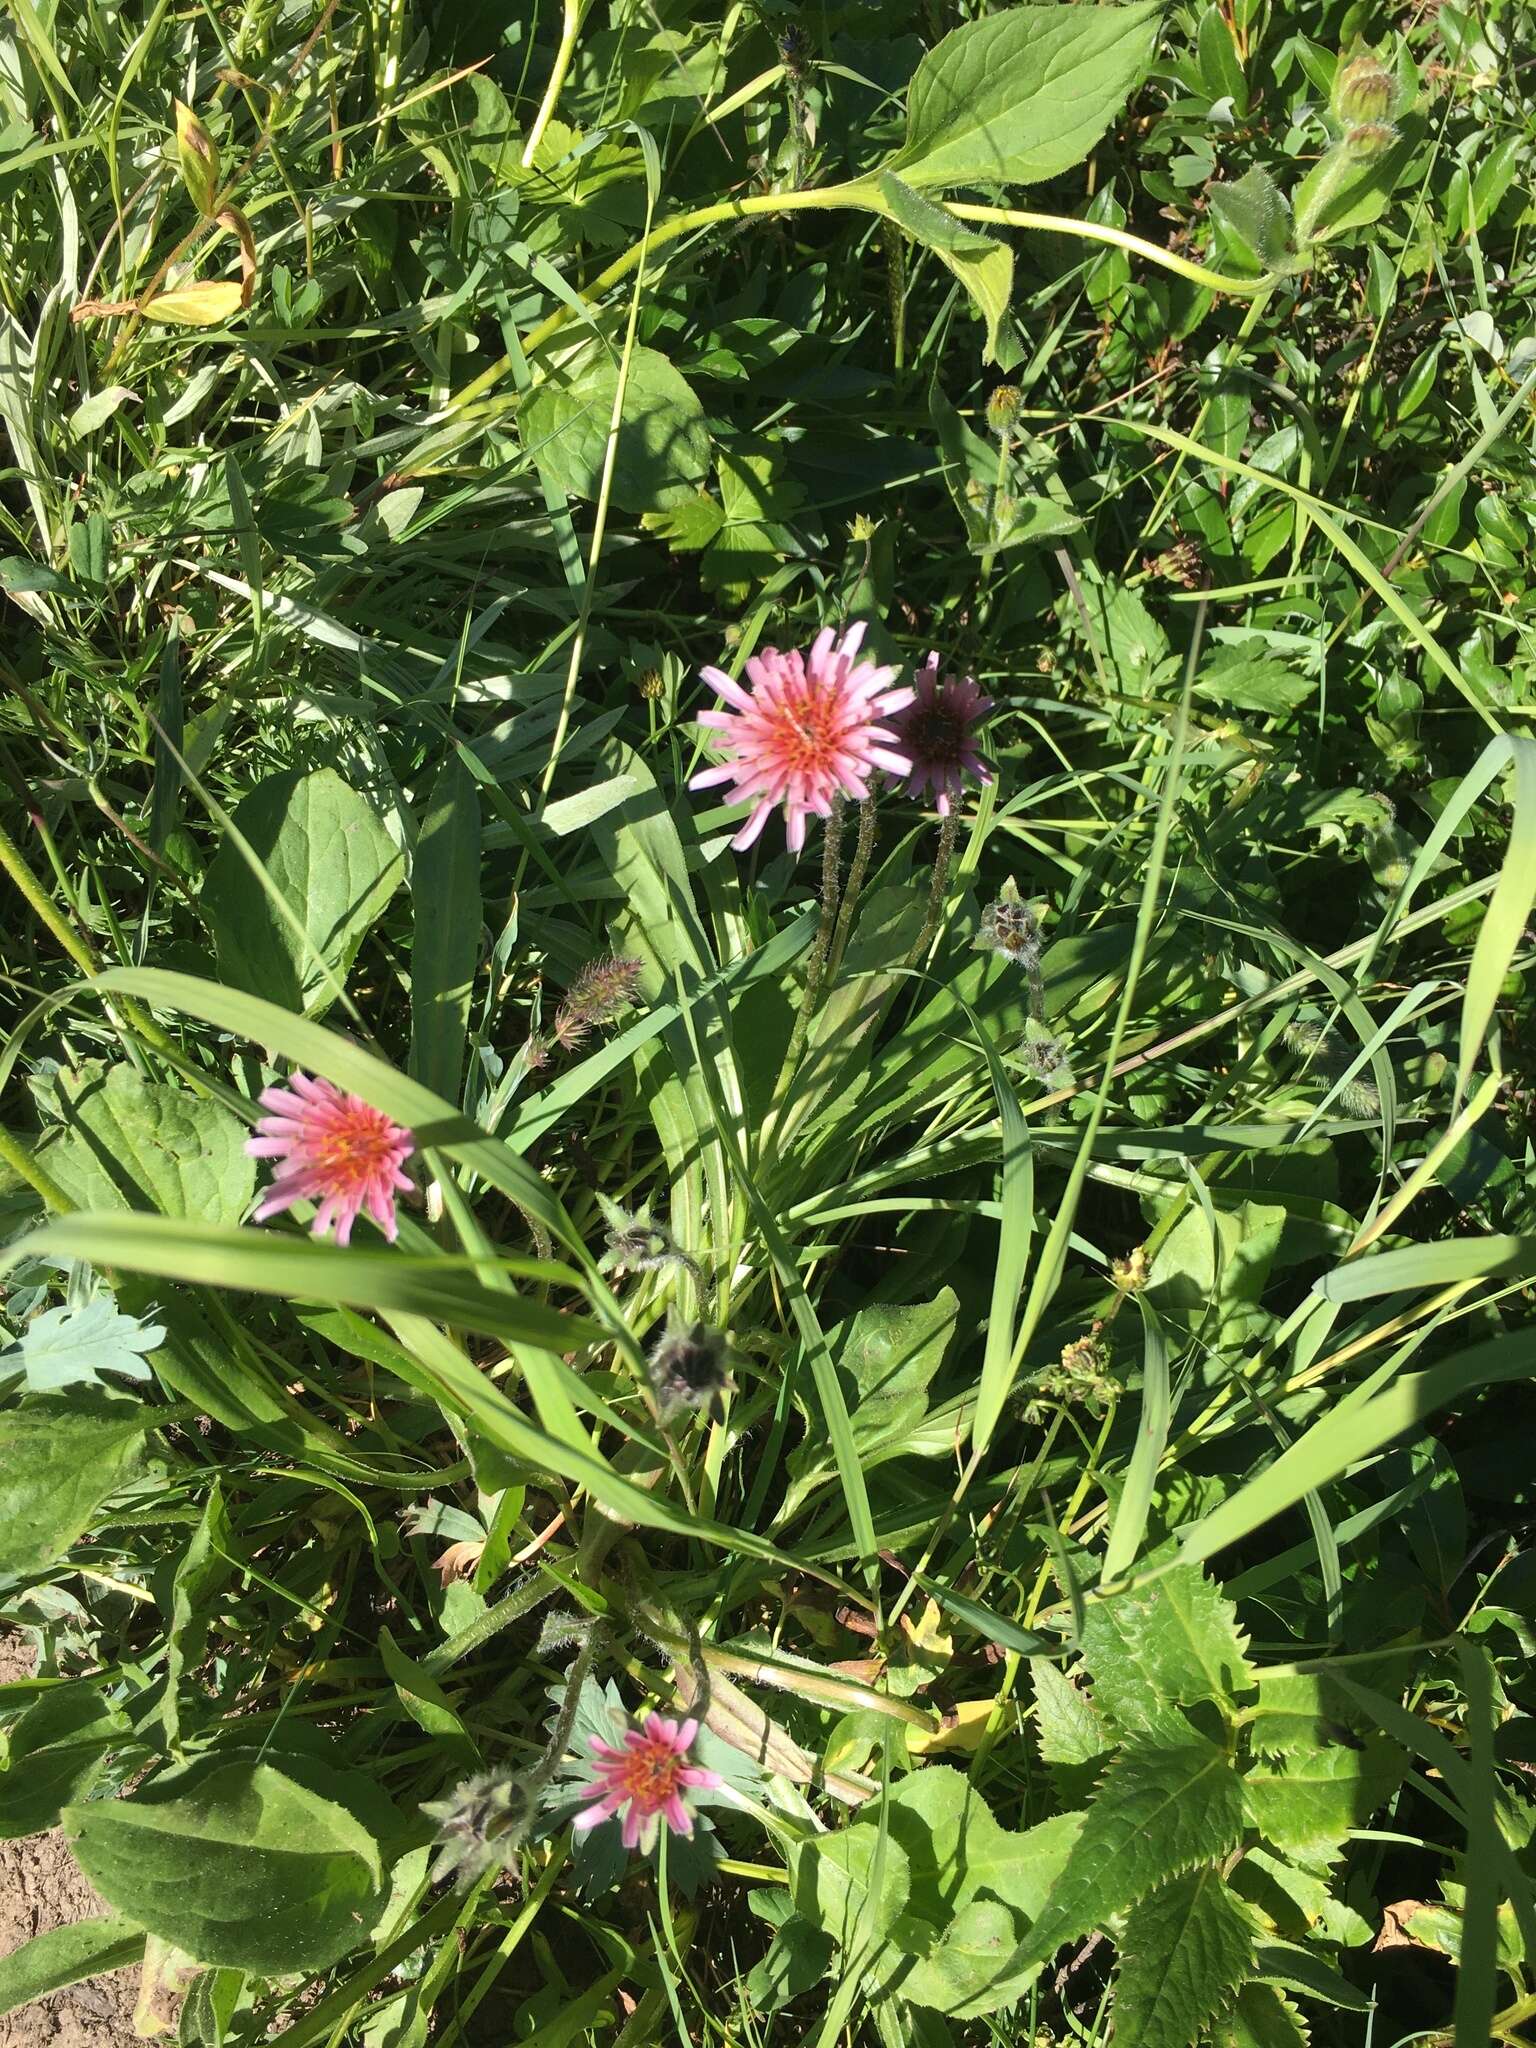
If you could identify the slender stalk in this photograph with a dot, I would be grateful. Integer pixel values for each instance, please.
(562, 64)
(79, 950)
(864, 846)
(1251, 320)
(858, 193)
(948, 833)
(831, 870)
(20, 1158)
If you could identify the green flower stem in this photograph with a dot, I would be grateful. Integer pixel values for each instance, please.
(864, 846)
(520, 1601)
(79, 950)
(541, 120)
(948, 832)
(859, 193)
(21, 1159)
(815, 967)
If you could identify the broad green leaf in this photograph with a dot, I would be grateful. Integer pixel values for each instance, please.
(1308, 1803)
(1262, 2018)
(1255, 216)
(52, 1753)
(891, 1353)
(1171, 1644)
(135, 1144)
(1067, 1725)
(664, 446)
(1183, 1955)
(1298, 1712)
(73, 1347)
(1243, 681)
(445, 930)
(975, 1887)
(92, 413)
(983, 266)
(328, 867)
(237, 1865)
(61, 1456)
(797, 1959)
(1023, 94)
(67, 1955)
(1159, 1812)
(853, 1885)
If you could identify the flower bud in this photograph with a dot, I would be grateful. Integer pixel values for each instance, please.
(479, 1824)
(652, 685)
(862, 529)
(199, 158)
(1370, 138)
(688, 1369)
(1364, 91)
(1003, 407)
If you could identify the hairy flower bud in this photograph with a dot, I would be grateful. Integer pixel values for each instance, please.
(688, 1368)
(1003, 407)
(1370, 138)
(479, 1825)
(1364, 90)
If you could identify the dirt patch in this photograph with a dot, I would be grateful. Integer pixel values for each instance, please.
(40, 1888)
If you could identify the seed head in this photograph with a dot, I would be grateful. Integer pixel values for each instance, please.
(652, 686)
(688, 1369)
(1009, 927)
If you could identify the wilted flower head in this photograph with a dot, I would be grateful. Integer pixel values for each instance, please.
(1044, 1056)
(938, 730)
(335, 1150)
(635, 1244)
(1009, 926)
(688, 1368)
(808, 730)
(645, 1779)
(479, 1824)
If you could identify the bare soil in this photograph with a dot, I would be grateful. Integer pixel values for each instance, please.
(40, 1888)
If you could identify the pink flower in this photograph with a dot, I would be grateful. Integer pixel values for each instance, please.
(938, 729)
(645, 1780)
(808, 728)
(336, 1150)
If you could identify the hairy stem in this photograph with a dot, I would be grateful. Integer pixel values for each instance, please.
(831, 871)
(948, 833)
(864, 846)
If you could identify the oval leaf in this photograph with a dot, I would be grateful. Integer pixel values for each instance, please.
(208, 304)
(1022, 95)
(664, 446)
(245, 1869)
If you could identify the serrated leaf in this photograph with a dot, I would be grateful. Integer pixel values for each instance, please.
(331, 867)
(129, 1143)
(1262, 2018)
(983, 266)
(664, 446)
(1158, 1813)
(1068, 1728)
(1184, 1952)
(1298, 1712)
(1172, 1644)
(1308, 1803)
(239, 1866)
(1244, 681)
(73, 1347)
(61, 1456)
(690, 524)
(1022, 94)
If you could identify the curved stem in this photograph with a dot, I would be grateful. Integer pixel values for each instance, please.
(21, 1159)
(858, 193)
(563, 56)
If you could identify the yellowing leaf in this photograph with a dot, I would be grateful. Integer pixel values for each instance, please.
(965, 1730)
(197, 305)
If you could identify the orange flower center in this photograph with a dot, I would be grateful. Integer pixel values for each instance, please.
(807, 734)
(352, 1152)
(649, 1776)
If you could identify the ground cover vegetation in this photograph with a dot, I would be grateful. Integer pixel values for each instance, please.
(765, 1121)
